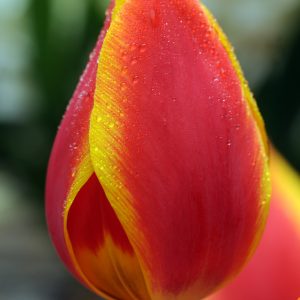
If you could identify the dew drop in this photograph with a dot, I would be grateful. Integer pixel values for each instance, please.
(153, 17)
(165, 121)
(143, 48)
(135, 80)
(134, 61)
(73, 146)
(263, 203)
(124, 55)
(124, 70)
(83, 94)
(133, 47)
(123, 86)
(92, 55)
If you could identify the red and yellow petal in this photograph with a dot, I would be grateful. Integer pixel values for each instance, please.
(274, 271)
(178, 146)
(101, 247)
(83, 226)
(70, 165)
(157, 185)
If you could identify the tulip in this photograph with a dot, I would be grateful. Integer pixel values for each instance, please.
(158, 182)
(274, 271)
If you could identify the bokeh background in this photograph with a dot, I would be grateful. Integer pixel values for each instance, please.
(44, 45)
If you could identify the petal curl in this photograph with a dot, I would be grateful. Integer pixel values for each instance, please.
(179, 147)
(101, 247)
(69, 166)
(83, 226)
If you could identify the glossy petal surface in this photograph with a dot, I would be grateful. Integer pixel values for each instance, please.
(157, 185)
(101, 246)
(175, 143)
(70, 165)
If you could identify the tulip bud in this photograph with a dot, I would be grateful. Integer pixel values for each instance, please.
(274, 271)
(158, 182)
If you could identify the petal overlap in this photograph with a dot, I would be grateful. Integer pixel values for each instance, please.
(158, 183)
(70, 164)
(274, 271)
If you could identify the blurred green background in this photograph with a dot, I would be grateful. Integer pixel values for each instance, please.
(44, 46)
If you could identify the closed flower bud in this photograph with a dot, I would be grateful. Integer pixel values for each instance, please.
(158, 182)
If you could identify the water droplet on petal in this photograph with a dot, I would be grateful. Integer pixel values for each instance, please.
(153, 17)
(124, 70)
(133, 47)
(123, 86)
(134, 61)
(263, 203)
(124, 54)
(165, 121)
(135, 80)
(143, 48)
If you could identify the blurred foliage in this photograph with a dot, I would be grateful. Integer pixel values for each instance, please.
(62, 36)
(279, 100)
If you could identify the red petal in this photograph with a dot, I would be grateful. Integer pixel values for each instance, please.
(274, 271)
(101, 247)
(69, 165)
(177, 147)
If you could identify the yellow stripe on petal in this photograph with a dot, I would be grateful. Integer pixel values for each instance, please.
(247, 93)
(118, 6)
(106, 132)
(277, 259)
(93, 268)
(133, 162)
(83, 172)
(106, 127)
(110, 267)
(254, 111)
